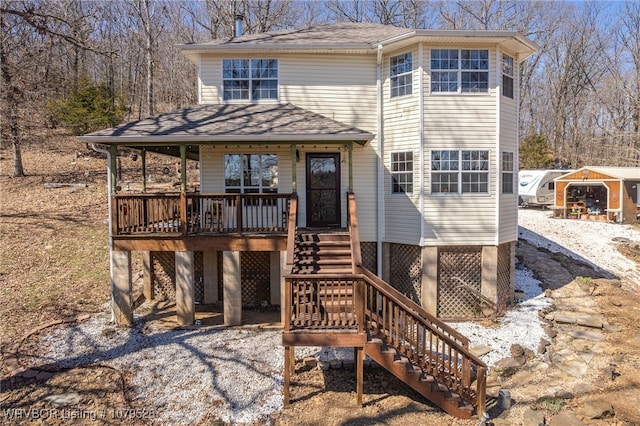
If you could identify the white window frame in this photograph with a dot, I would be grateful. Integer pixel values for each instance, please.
(507, 166)
(507, 76)
(252, 180)
(250, 74)
(402, 172)
(458, 171)
(459, 66)
(401, 78)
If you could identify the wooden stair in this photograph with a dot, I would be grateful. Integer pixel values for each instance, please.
(327, 252)
(412, 375)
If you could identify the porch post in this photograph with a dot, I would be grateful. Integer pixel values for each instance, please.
(294, 178)
(489, 280)
(232, 292)
(275, 285)
(143, 159)
(183, 168)
(121, 288)
(185, 305)
(114, 169)
(350, 149)
(429, 284)
(147, 277)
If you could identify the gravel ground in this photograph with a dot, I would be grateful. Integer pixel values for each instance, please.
(235, 375)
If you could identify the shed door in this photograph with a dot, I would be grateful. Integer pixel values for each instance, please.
(323, 190)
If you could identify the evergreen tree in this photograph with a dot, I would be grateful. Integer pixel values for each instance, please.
(535, 153)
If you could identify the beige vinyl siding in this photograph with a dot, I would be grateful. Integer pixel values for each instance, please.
(210, 79)
(365, 165)
(464, 121)
(401, 134)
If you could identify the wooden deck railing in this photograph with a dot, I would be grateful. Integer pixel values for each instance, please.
(200, 213)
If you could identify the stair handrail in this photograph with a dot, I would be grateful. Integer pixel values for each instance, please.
(354, 232)
(291, 229)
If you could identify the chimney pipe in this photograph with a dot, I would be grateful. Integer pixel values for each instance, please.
(239, 18)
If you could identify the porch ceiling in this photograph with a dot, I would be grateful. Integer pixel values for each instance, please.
(230, 123)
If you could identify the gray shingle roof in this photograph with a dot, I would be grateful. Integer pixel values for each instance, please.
(339, 33)
(234, 122)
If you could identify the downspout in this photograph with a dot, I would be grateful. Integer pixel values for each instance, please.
(421, 140)
(109, 207)
(380, 195)
(498, 164)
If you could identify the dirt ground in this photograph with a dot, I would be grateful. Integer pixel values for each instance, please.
(54, 265)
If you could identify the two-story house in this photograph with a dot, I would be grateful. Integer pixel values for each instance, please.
(294, 129)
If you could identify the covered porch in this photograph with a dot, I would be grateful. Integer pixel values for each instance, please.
(215, 226)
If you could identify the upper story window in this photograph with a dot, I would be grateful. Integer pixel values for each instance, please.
(507, 76)
(400, 71)
(459, 172)
(460, 71)
(507, 172)
(402, 172)
(249, 79)
(251, 173)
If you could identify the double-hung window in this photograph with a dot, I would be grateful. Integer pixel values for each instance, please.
(507, 76)
(460, 70)
(459, 172)
(251, 173)
(400, 72)
(402, 172)
(249, 79)
(507, 172)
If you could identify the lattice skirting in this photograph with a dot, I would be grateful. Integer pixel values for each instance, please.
(405, 270)
(459, 276)
(255, 277)
(505, 286)
(163, 274)
(369, 253)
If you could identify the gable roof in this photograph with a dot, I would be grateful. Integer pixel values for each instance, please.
(232, 123)
(621, 173)
(355, 38)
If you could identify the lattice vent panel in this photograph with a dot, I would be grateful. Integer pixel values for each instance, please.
(256, 277)
(505, 286)
(405, 270)
(456, 301)
(198, 276)
(369, 256)
(163, 265)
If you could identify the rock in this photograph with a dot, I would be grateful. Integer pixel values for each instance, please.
(324, 365)
(589, 321)
(551, 332)
(565, 418)
(597, 409)
(507, 366)
(582, 388)
(501, 422)
(517, 350)
(522, 377)
(529, 354)
(564, 319)
(481, 350)
(310, 362)
(532, 417)
(542, 346)
(64, 399)
(588, 335)
(612, 328)
(564, 394)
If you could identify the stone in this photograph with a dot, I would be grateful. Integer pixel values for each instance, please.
(612, 328)
(517, 350)
(501, 422)
(564, 319)
(582, 388)
(565, 418)
(529, 354)
(522, 377)
(563, 394)
(63, 399)
(597, 409)
(507, 366)
(310, 362)
(532, 417)
(588, 335)
(542, 346)
(324, 365)
(590, 321)
(481, 350)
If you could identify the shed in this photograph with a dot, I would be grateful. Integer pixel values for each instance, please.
(601, 193)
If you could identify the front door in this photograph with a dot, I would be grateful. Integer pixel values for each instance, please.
(323, 190)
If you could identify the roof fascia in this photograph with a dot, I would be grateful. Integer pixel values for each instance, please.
(213, 139)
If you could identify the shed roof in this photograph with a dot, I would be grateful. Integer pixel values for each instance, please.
(622, 173)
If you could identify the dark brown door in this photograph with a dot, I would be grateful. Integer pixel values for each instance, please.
(323, 190)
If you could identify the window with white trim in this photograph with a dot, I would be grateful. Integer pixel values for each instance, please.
(507, 76)
(507, 172)
(400, 72)
(249, 79)
(402, 172)
(459, 171)
(251, 173)
(460, 71)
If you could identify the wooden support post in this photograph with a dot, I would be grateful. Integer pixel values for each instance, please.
(294, 160)
(287, 376)
(143, 160)
(350, 148)
(113, 179)
(185, 300)
(183, 213)
(183, 168)
(147, 276)
(239, 214)
(210, 279)
(359, 374)
(232, 283)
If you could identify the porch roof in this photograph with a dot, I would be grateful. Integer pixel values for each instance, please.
(229, 123)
